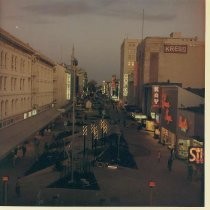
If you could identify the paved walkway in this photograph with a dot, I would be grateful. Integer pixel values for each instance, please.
(16, 134)
(121, 187)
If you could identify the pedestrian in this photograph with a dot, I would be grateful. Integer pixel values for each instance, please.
(158, 155)
(170, 162)
(190, 172)
(17, 187)
(172, 154)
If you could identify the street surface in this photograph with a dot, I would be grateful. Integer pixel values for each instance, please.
(117, 187)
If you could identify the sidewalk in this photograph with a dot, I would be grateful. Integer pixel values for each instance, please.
(16, 134)
(121, 187)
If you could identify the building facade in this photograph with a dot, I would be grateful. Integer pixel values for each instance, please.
(128, 69)
(29, 81)
(175, 59)
(173, 112)
(15, 79)
(61, 85)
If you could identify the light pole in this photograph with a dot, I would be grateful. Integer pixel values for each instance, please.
(74, 63)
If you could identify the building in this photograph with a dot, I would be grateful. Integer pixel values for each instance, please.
(42, 82)
(30, 82)
(171, 109)
(61, 86)
(175, 59)
(16, 61)
(128, 70)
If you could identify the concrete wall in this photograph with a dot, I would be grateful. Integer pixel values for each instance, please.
(188, 99)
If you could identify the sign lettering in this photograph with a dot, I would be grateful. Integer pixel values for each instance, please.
(175, 48)
(196, 155)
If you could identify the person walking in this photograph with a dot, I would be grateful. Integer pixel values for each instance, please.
(17, 187)
(170, 162)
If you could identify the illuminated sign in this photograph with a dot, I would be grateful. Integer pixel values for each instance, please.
(196, 155)
(183, 124)
(155, 96)
(5, 178)
(125, 85)
(175, 48)
(152, 184)
(166, 106)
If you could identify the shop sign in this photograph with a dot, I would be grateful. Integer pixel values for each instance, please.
(175, 48)
(5, 178)
(196, 155)
(152, 184)
(125, 85)
(155, 96)
(166, 106)
(183, 123)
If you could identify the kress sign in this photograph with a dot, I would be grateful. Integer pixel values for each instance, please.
(196, 155)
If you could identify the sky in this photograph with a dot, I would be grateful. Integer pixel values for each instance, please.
(97, 28)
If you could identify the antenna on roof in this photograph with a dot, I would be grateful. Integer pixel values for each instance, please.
(142, 27)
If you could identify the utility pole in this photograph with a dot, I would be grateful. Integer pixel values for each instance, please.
(74, 64)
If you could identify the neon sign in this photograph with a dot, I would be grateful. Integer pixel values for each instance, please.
(156, 94)
(183, 124)
(196, 155)
(166, 105)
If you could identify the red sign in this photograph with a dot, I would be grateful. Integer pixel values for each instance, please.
(175, 48)
(196, 155)
(183, 124)
(5, 178)
(152, 184)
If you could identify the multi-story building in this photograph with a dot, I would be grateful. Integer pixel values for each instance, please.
(174, 59)
(177, 113)
(15, 79)
(61, 85)
(128, 70)
(42, 82)
(29, 81)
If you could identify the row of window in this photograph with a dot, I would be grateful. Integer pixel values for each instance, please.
(4, 83)
(14, 63)
(9, 107)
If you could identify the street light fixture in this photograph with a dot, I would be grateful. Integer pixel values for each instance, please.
(74, 65)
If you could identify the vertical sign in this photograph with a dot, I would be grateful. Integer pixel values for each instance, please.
(125, 85)
(155, 96)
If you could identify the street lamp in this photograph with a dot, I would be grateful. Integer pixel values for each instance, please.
(74, 64)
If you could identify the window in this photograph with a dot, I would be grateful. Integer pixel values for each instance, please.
(2, 58)
(5, 83)
(5, 62)
(1, 83)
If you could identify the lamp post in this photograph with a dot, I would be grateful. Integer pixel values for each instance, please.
(74, 64)
(95, 140)
(84, 133)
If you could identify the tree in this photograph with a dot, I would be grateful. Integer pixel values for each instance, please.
(92, 86)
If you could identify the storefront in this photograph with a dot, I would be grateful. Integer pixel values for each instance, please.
(183, 146)
(168, 138)
(150, 125)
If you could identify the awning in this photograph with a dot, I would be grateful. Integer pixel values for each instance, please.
(16, 134)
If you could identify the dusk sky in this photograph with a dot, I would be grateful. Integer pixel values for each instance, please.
(97, 28)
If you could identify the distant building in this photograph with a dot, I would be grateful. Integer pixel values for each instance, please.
(174, 59)
(128, 70)
(61, 85)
